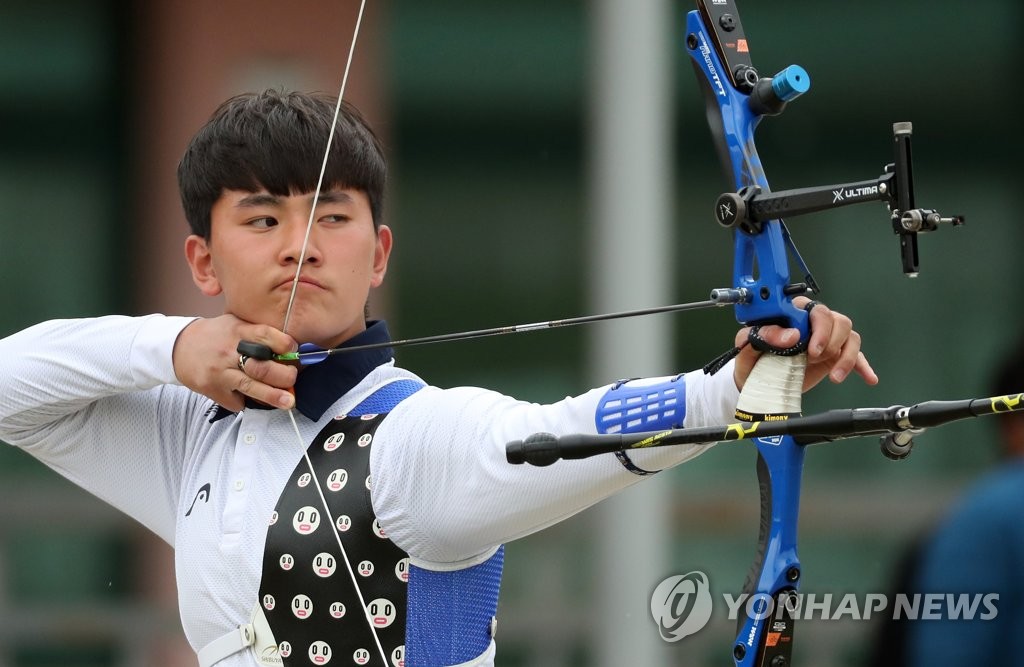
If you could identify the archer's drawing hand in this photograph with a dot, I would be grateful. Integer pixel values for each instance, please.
(206, 361)
(833, 350)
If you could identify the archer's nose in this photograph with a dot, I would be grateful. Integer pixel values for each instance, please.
(298, 244)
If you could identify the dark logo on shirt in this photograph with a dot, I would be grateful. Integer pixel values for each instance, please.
(204, 495)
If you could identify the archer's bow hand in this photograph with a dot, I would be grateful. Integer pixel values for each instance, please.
(833, 350)
(206, 361)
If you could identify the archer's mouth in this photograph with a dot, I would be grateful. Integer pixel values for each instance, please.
(304, 282)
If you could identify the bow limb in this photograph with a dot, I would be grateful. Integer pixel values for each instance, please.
(717, 47)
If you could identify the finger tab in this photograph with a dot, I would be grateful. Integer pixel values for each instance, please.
(255, 350)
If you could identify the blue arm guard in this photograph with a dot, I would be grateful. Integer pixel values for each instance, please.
(635, 406)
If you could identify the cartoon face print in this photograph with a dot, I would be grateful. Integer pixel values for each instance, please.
(273, 518)
(268, 602)
(361, 656)
(343, 523)
(306, 520)
(337, 610)
(367, 418)
(398, 657)
(287, 562)
(319, 653)
(364, 440)
(402, 570)
(368, 481)
(324, 564)
(378, 530)
(285, 649)
(380, 612)
(304, 480)
(302, 606)
(337, 479)
(333, 442)
(365, 568)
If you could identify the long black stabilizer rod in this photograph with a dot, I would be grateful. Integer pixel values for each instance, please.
(542, 449)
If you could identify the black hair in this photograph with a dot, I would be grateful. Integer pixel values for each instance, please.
(275, 141)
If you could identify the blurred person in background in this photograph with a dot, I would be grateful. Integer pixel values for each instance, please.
(976, 550)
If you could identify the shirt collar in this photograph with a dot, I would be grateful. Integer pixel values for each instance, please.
(320, 385)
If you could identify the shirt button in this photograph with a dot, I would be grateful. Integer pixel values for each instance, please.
(239, 484)
(249, 438)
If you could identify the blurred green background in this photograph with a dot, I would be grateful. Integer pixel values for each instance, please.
(488, 132)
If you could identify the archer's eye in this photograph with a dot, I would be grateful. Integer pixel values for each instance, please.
(336, 218)
(263, 223)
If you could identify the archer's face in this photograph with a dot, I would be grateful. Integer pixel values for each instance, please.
(255, 242)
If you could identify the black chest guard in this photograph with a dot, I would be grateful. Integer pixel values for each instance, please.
(320, 608)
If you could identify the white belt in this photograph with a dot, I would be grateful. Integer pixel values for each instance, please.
(237, 640)
(245, 636)
(256, 634)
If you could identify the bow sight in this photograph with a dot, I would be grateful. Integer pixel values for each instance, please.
(751, 206)
(736, 98)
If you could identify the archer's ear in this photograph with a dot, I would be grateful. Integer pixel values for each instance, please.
(381, 254)
(200, 261)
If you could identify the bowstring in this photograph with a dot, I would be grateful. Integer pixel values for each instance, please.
(323, 168)
(288, 316)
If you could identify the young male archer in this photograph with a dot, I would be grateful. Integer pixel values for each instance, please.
(364, 520)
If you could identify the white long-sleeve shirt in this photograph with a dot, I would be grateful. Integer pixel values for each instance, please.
(97, 400)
